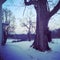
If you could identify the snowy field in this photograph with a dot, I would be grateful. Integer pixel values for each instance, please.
(23, 51)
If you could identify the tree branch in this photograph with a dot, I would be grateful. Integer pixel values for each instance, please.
(27, 3)
(56, 8)
(30, 2)
(25, 25)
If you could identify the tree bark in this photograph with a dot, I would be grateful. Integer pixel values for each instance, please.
(41, 40)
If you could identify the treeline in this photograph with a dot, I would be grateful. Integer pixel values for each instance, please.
(21, 36)
(54, 34)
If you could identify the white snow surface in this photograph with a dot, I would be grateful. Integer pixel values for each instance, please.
(23, 51)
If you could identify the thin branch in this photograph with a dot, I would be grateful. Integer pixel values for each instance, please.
(25, 25)
(24, 10)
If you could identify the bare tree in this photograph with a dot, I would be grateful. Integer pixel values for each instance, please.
(9, 19)
(6, 24)
(29, 25)
(43, 17)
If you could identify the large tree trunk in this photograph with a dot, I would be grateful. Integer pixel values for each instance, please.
(43, 16)
(41, 39)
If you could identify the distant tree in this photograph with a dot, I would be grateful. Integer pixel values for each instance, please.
(9, 19)
(12, 25)
(29, 25)
(43, 17)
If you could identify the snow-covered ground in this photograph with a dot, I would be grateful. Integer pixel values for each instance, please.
(23, 51)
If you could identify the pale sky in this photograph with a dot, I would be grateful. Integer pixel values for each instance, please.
(17, 7)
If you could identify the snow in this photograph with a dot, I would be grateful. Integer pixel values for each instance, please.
(23, 51)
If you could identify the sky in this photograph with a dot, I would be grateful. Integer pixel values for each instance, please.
(21, 11)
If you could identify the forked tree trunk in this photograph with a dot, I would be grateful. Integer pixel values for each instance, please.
(43, 16)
